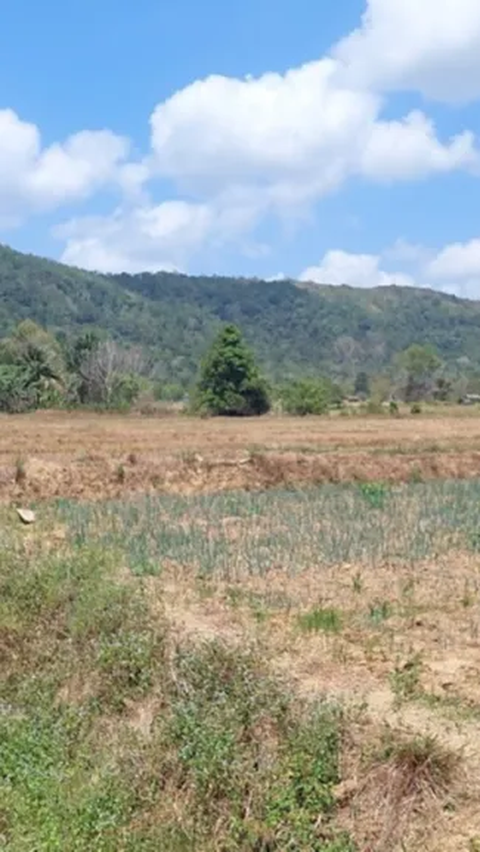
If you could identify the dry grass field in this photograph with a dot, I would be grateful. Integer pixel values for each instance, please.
(91, 456)
(199, 655)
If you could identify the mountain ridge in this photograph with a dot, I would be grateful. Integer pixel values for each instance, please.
(294, 327)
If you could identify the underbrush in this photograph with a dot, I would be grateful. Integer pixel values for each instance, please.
(228, 761)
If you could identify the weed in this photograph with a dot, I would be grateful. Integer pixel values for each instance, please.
(327, 620)
(357, 583)
(379, 611)
(127, 662)
(120, 474)
(405, 679)
(20, 472)
(416, 408)
(468, 597)
(374, 493)
(415, 476)
(420, 764)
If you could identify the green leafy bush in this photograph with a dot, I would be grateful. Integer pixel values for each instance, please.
(309, 396)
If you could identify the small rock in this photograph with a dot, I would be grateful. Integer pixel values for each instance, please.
(26, 516)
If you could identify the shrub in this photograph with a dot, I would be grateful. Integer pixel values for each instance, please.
(309, 396)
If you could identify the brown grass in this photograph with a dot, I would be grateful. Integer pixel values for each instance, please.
(80, 455)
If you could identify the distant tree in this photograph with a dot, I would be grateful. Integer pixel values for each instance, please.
(309, 396)
(443, 389)
(109, 375)
(15, 392)
(36, 365)
(230, 382)
(362, 384)
(419, 365)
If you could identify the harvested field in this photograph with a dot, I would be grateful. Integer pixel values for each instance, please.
(89, 456)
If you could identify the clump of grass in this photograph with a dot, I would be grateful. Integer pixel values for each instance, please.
(20, 471)
(374, 493)
(405, 679)
(379, 611)
(403, 776)
(321, 620)
(120, 474)
(419, 765)
(357, 583)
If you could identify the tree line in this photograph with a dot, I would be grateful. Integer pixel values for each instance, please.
(40, 370)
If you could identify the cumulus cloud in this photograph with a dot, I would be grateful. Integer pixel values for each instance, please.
(144, 238)
(37, 179)
(155, 236)
(431, 46)
(356, 270)
(251, 148)
(453, 269)
(458, 260)
(293, 137)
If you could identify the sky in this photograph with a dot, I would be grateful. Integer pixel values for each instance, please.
(329, 142)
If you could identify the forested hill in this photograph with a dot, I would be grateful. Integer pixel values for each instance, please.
(293, 328)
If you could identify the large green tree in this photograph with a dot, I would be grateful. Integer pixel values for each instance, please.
(419, 365)
(230, 381)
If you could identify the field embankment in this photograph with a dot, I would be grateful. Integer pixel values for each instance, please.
(90, 456)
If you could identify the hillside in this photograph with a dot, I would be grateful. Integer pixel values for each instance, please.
(292, 328)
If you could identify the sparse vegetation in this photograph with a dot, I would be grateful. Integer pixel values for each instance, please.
(211, 668)
(327, 620)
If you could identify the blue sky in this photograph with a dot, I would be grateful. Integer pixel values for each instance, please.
(334, 142)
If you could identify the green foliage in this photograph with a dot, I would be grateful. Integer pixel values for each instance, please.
(293, 329)
(326, 620)
(309, 396)
(362, 384)
(32, 369)
(420, 363)
(230, 383)
(379, 611)
(232, 761)
(16, 393)
(374, 493)
(405, 679)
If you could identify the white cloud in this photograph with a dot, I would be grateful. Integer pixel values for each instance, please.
(144, 238)
(459, 260)
(152, 237)
(356, 270)
(292, 138)
(431, 46)
(35, 179)
(407, 149)
(453, 269)
(244, 149)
